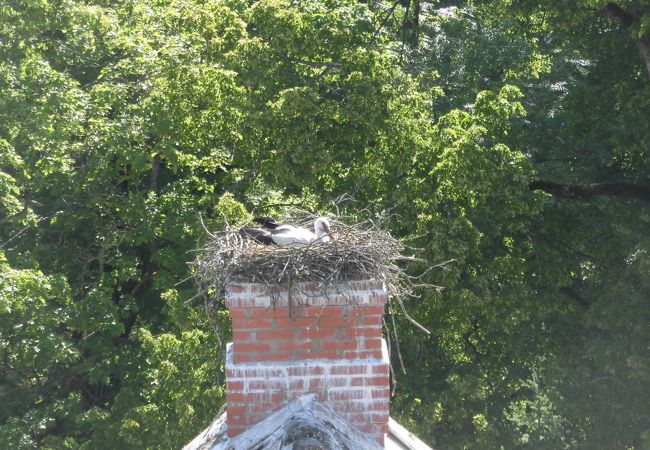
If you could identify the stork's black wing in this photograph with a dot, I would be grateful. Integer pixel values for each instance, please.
(258, 234)
(268, 222)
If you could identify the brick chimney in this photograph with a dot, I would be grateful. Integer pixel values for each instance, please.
(328, 344)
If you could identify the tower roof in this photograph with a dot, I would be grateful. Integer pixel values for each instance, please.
(302, 424)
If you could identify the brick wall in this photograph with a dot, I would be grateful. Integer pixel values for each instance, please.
(329, 345)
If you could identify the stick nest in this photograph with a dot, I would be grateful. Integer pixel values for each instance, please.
(361, 251)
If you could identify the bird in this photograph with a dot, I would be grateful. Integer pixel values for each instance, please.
(285, 235)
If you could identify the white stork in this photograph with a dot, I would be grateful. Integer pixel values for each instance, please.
(277, 233)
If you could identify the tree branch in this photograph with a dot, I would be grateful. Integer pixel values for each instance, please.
(155, 170)
(574, 295)
(589, 191)
(619, 15)
(627, 21)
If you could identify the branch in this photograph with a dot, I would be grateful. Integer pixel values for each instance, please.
(389, 14)
(574, 295)
(155, 170)
(24, 229)
(589, 191)
(619, 15)
(628, 21)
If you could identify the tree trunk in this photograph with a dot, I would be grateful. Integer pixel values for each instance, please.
(589, 191)
(631, 23)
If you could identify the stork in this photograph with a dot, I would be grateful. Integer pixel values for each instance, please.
(285, 235)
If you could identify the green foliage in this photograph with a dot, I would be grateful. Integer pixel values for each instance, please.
(124, 122)
(37, 354)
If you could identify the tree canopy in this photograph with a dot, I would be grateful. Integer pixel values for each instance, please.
(511, 136)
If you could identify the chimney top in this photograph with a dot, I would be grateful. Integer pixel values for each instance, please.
(325, 343)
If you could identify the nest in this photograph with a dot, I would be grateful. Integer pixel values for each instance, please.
(361, 251)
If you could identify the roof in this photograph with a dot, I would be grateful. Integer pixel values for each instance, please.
(399, 438)
(304, 423)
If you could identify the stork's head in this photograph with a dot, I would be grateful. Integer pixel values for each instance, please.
(322, 229)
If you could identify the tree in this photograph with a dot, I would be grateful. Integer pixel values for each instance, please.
(585, 136)
(122, 123)
(510, 136)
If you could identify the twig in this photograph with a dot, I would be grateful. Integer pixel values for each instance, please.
(362, 251)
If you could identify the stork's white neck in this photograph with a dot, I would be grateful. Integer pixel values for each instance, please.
(322, 228)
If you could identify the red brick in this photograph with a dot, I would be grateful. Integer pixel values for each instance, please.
(296, 311)
(381, 393)
(236, 419)
(290, 332)
(378, 381)
(259, 313)
(378, 406)
(355, 332)
(316, 333)
(247, 398)
(383, 369)
(295, 322)
(262, 408)
(247, 347)
(305, 370)
(270, 313)
(372, 320)
(337, 381)
(362, 355)
(372, 344)
(266, 384)
(339, 321)
(351, 355)
(252, 419)
(235, 410)
(323, 311)
(346, 394)
(340, 370)
(370, 429)
(338, 345)
(276, 356)
(359, 419)
(357, 369)
(234, 385)
(243, 358)
(371, 310)
(380, 418)
(295, 385)
(275, 334)
(317, 355)
(292, 395)
(351, 406)
(239, 313)
(239, 335)
(297, 371)
(264, 372)
(251, 323)
(294, 346)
